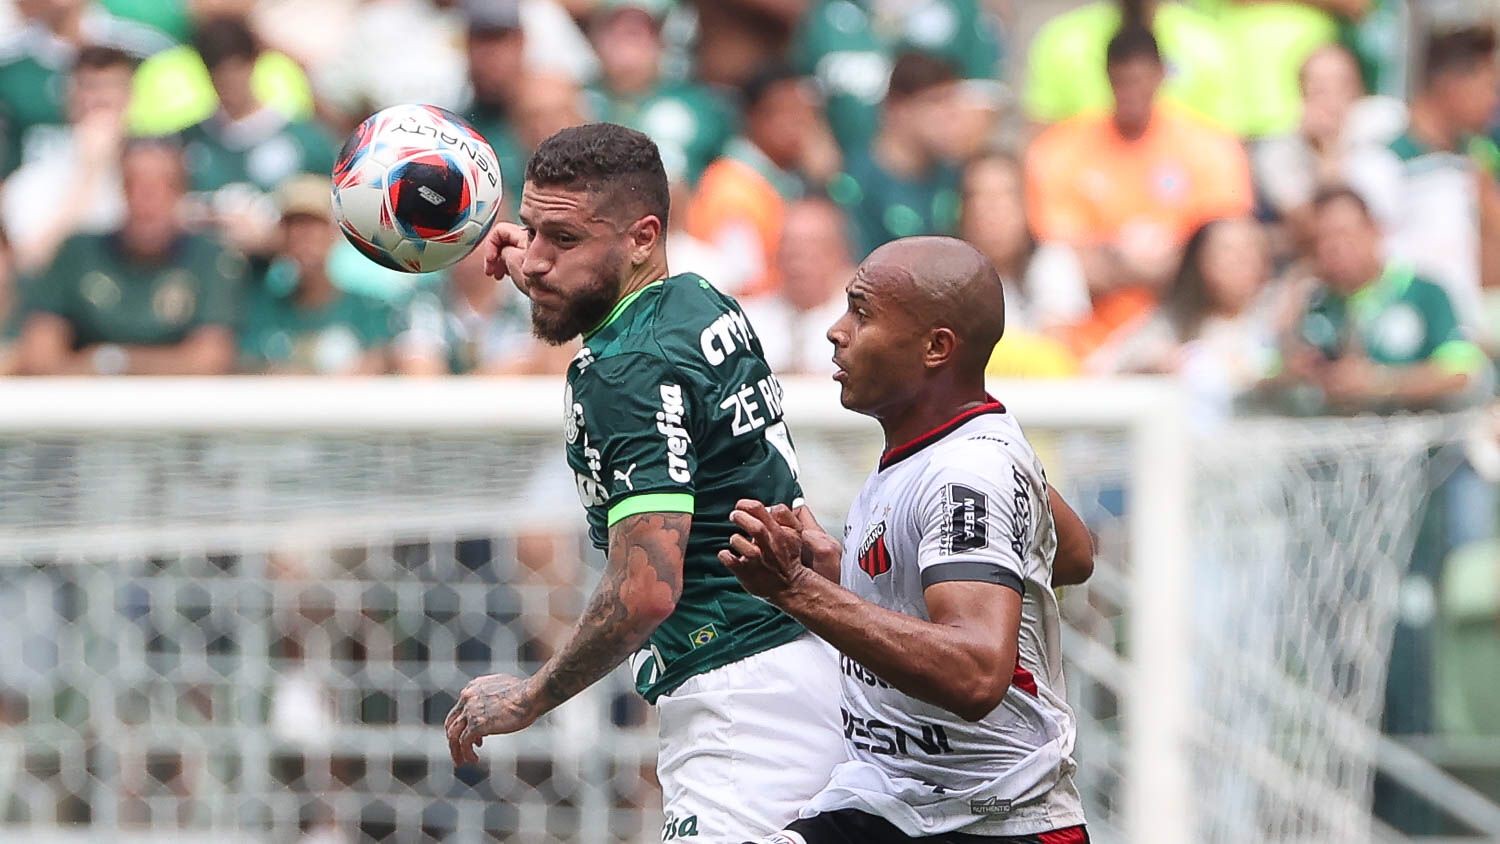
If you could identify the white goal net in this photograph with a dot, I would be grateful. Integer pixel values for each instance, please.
(244, 607)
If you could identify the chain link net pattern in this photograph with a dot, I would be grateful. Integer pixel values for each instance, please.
(258, 635)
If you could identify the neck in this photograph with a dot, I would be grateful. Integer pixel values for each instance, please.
(1428, 125)
(481, 299)
(315, 291)
(1132, 131)
(69, 25)
(900, 156)
(239, 109)
(929, 412)
(654, 269)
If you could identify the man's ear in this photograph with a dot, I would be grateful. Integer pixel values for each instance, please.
(942, 347)
(644, 233)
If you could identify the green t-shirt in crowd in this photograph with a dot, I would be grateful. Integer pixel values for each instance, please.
(496, 128)
(688, 123)
(262, 150)
(110, 297)
(172, 18)
(1399, 319)
(883, 207)
(279, 333)
(1067, 74)
(671, 407)
(849, 51)
(34, 68)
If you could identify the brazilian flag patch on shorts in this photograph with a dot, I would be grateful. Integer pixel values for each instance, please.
(703, 635)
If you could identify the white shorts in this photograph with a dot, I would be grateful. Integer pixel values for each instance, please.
(746, 745)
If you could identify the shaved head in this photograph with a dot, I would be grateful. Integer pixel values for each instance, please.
(943, 282)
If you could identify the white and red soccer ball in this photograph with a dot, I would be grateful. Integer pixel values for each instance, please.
(416, 188)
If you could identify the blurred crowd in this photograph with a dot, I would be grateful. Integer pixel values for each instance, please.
(1283, 203)
(1290, 205)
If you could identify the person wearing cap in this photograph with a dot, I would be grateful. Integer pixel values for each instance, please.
(689, 124)
(298, 320)
(147, 299)
(495, 47)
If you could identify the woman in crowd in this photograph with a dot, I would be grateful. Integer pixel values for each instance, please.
(1214, 326)
(1044, 282)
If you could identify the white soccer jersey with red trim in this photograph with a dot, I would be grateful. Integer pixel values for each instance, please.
(968, 501)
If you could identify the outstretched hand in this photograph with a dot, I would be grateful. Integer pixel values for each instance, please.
(492, 705)
(768, 556)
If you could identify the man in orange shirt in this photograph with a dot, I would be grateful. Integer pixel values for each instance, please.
(1129, 187)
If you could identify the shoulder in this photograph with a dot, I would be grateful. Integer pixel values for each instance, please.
(1425, 290)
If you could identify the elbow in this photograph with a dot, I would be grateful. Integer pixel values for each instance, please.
(982, 693)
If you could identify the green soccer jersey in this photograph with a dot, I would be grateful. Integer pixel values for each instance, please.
(688, 123)
(32, 88)
(280, 333)
(262, 150)
(1399, 319)
(671, 407)
(883, 207)
(109, 297)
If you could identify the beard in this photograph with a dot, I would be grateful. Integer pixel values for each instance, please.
(581, 312)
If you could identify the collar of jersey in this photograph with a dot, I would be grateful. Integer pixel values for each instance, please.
(620, 307)
(1379, 294)
(896, 454)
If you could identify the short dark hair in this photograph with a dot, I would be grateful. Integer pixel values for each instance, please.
(100, 57)
(223, 38)
(1332, 194)
(1132, 42)
(1456, 52)
(621, 164)
(765, 78)
(916, 72)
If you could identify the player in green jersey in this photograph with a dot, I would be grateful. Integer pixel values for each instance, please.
(671, 415)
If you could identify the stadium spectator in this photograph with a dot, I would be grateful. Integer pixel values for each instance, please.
(906, 183)
(395, 51)
(472, 324)
(737, 38)
(1044, 283)
(80, 172)
(495, 46)
(546, 104)
(34, 63)
(741, 199)
(149, 299)
(849, 49)
(174, 89)
(1268, 43)
(1338, 123)
(1434, 198)
(1127, 188)
(1375, 335)
(1066, 61)
(814, 262)
(1213, 328)
(237, 157)
(298, 321)
(689, 124)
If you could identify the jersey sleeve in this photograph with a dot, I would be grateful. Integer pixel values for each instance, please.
(637, 413)
(977, 520)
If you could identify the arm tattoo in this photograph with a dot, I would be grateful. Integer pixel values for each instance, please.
(644, 570)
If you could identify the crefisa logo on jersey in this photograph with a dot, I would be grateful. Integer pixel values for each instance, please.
(669, 423)
(874, 559)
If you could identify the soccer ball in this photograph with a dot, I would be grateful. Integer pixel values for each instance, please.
(416, 188)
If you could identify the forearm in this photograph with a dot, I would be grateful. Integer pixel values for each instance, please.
(925, 660)
(642, 582)
(197, 355)
(1426, 385)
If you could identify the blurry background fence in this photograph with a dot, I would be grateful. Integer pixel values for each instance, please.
(249, 615)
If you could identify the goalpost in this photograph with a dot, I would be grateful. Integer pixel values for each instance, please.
(244, 606)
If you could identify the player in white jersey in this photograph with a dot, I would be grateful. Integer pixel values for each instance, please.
(953, 702)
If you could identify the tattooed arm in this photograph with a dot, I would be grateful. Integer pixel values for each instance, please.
(641, 585)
